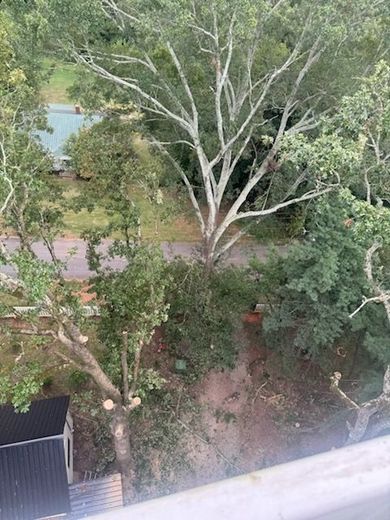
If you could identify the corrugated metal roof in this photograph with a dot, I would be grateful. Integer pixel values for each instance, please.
(45, 418)
(33, 480)
(64, 122)
(95, 496)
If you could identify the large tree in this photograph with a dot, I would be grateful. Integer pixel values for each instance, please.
(131, 302)
(225, 80)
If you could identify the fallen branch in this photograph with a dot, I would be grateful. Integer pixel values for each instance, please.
(379, 405)
(334, 386)
(258, 391)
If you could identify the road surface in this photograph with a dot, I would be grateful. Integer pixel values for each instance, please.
(77, 267)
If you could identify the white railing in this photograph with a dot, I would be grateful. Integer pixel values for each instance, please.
(351, 483)
(88, 311)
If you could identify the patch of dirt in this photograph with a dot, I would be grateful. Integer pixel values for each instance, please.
(253, 416)
(85, 453)
(241, 420)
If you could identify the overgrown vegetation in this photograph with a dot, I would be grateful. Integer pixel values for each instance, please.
(273, 118)
(205, 315)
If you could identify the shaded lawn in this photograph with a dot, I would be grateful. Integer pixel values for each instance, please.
(63, 77)
(174, 228)
(180, 227)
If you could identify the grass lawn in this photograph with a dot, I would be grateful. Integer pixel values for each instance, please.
(175, 229)
(63, 77)
(180, 227)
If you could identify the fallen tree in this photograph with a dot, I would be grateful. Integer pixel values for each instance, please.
(375, 411)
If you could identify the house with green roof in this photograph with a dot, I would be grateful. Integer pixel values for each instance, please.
(63, 121)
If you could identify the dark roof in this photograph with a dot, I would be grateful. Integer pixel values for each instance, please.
(45, 418)
(33, 480)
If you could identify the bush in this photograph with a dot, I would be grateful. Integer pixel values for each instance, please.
(77, 379)
(205, 311)
(48, 381)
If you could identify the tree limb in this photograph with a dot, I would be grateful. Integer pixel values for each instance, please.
(125, 366)
(136, 368)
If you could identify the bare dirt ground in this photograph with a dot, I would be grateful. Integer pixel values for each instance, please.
(253, 416)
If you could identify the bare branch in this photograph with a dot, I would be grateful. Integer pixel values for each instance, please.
(233, 214)
(157, 106)
(364, 412)
(335, 380)
(35, 331)
(136, 368)
(111, 4)
(230, 243)
(125, 366)
(368, 187)
(263, 212)
(6, 178)
(203, 31)
(187, 89)
(221, 78)
(271, 79)
(187, 183)
(374, 299)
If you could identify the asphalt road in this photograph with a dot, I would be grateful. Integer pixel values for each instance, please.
(77, 267)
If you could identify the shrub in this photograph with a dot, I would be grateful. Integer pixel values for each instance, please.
(205, 312)
(77, 378)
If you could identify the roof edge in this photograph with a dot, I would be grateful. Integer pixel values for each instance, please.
(41, 439)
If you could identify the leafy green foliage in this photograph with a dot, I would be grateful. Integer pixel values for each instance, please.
(120, 165)
(148, 383)
(20, 385)
(364, 118)
(315, 287)
(105, 147)
(77, 379)
(37, 276)
(132, 301)
(205, 313)
(322, 280)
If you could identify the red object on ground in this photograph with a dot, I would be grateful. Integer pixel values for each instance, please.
(84, 295)
(253, 317)
(161, 347)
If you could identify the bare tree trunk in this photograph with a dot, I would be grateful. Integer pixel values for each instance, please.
(238, 102)
(124, 458)
(208, 253)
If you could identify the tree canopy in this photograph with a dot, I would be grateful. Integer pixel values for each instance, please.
(222, 84)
